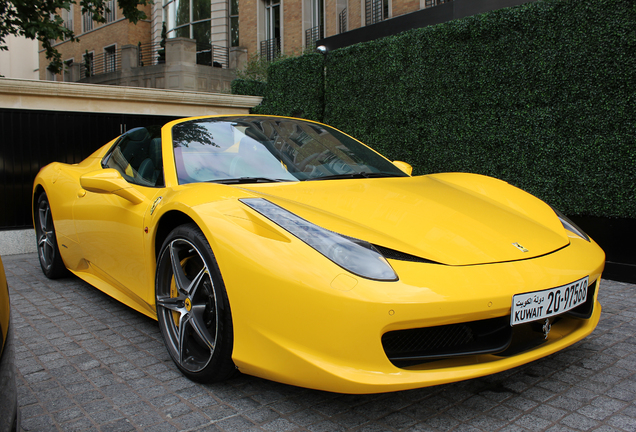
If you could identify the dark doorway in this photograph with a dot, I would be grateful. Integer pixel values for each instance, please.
(32, 139)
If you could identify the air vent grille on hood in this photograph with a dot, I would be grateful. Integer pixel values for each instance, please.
(401, 256)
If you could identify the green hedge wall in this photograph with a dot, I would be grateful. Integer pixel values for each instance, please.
(295, 87)
(541, 95)
(248, 87)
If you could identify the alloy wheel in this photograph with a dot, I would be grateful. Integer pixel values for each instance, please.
(46, 235)
(187, 301)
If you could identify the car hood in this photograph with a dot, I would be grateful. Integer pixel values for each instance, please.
(454, 219)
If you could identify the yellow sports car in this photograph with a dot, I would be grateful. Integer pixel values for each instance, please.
(286, 249)
(9, 408)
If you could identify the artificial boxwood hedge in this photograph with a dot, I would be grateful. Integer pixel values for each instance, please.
(541, 95)
(295, 87)
(248, 87)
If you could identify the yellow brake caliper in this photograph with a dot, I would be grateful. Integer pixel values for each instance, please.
(174, 293)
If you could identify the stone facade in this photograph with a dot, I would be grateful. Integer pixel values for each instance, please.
(406, 6)
(179, 72)
(248, 25)
(293, 28)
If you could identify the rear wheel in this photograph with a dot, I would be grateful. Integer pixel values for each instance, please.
(192, 307)
(48, 251)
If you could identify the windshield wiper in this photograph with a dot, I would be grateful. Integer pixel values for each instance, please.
(361, 174)
(241, 180)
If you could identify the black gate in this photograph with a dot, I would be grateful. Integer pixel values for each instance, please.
(32, 139)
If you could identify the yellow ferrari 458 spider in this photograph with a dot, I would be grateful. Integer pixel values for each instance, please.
(286, 249)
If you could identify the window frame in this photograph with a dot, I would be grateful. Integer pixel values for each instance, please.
(134, 180)
(110, 62)
(87, 22)
(112, 15)
(66, 73)
(92, 57)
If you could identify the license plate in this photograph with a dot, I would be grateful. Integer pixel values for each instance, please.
(543, 304)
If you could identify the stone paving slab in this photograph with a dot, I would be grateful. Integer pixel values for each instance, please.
(88, 363)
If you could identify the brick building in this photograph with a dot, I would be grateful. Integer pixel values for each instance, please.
(224, 29)
(268, 27)
(99, 43)
(227, 33)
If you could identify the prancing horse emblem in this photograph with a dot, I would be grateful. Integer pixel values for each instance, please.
(546, 328)
(518, 246)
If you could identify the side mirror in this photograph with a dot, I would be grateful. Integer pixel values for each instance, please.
(109, 181)
(407, 168)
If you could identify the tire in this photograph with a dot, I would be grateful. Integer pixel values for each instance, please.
(192, 308)
(48, 251)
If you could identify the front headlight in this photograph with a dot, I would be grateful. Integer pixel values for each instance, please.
(571, 226)
(356, 256)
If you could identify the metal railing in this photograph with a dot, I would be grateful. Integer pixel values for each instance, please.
(100, 64)
(342, 21)
(207, 54)
(373, 11)
(270, 49)
(431, 3)
(151, 54)
(312, 36)
(213, 55)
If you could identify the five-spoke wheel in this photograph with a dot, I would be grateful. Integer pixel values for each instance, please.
(192, 306)
(48, 251)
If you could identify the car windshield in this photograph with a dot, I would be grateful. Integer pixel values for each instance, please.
(266, 149)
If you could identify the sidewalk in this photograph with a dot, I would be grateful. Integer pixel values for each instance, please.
(86, 362)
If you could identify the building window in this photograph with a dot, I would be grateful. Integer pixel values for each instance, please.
(192, 19)
(110, 59)
(111, 16)
(67, 70)
(88, 65)
(431, 3)
(67, 16)
(87, 22)
(316, 31)
(342, 21)
(234, 23)
(189, 19)
(376, 11)
(270, 47)
(50, 76)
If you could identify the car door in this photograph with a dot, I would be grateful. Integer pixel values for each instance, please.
(110, 225)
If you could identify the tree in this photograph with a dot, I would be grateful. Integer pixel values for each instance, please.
(41, 20)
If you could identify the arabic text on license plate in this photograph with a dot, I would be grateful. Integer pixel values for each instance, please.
(543, 304)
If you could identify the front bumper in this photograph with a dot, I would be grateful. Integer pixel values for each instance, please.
(302, 320)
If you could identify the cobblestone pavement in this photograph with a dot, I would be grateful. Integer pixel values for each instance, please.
(86, 362)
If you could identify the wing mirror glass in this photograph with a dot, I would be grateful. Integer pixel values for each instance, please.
(406, 167)
(110, 181)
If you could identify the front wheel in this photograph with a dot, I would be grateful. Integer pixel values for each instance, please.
(48, 251)
(192, 307)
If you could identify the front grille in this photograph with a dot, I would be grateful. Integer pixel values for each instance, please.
(585, 310)
(412, 346)
(492, 336)
(428, 339)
